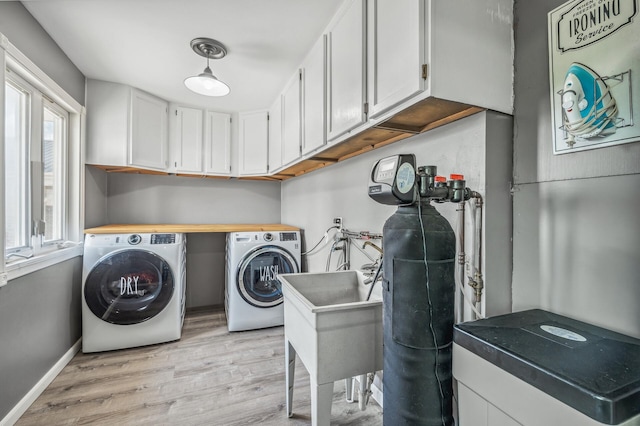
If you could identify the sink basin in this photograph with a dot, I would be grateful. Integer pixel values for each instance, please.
(334, 330)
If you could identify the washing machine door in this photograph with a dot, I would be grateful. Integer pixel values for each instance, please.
(258, 282)
(129, 287)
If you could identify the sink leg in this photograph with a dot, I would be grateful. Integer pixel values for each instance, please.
(290, 370)
(348, 384)
(321, 398)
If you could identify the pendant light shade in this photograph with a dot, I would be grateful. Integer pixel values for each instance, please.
(206, 83)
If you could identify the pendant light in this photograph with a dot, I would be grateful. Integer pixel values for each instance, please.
(206, 83)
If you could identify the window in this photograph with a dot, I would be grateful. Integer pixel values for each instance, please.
(41, 178)
(42, 173)
(35, 163)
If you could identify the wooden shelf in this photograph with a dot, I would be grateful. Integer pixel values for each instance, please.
(419, 118)
(423, 116)
(131, 228)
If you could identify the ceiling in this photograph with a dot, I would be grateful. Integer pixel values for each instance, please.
(146, 43)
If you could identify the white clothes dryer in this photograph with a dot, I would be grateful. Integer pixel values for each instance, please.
(253, 292)
(133, 291)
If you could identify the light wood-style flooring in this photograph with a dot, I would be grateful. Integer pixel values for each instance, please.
(208, 377)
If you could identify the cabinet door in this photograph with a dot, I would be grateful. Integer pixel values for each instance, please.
(109, 106)
(291, 128)
(396, 52)
(275, 135)
(253, 142)
(313, 97)
(187, 140)
(217, 143)
(148, 142)
(346, 70)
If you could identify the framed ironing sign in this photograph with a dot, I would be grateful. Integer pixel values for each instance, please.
(594, 72)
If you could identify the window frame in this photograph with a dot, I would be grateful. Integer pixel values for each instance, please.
(72, 244)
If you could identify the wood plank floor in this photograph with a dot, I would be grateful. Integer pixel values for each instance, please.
(208, 377)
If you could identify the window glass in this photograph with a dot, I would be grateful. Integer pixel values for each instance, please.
(16, 162)
(53, 149)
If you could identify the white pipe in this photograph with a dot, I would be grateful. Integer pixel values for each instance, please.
(348, 384)
(459, 273)
(468, 313)
(469, 301)
(478, 249)
(472, 310)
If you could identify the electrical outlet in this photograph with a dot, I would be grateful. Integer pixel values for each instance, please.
(338, 222)
(3, 279)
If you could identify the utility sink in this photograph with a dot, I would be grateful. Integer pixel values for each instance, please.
(334, 330)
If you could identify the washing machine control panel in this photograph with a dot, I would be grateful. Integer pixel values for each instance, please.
(268, 237)
(163, 238)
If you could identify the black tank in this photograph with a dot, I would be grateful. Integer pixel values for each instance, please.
(418, 304)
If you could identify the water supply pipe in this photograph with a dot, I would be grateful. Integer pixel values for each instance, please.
(460, 259)
(475, 278)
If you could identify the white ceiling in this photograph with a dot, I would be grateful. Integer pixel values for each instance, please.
(146, 43)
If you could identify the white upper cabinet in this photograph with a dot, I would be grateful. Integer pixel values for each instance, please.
(275, 135)
(217, 158)
(107, 123)
(346, 56)
(313, 97)
(253, 141)
(200, 141)
(291, 119)
(470, 52)
(149, 128)
(187, 137)
(396, 52)
(125, 127)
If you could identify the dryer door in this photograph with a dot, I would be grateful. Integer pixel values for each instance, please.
(258, 283)
(129, 286)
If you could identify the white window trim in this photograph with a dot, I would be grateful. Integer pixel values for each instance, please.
(12, 57)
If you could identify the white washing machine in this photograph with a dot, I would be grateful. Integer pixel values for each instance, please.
(253, 292)
(133, 291)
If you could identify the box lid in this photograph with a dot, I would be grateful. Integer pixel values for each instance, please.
(594, 370)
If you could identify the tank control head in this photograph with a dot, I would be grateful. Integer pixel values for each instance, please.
(395, 180)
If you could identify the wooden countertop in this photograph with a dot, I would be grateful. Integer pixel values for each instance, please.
(187, 228)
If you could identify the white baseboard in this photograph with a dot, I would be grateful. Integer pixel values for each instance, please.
(23, 405)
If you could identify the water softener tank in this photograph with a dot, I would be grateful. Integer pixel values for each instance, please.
(418, 300)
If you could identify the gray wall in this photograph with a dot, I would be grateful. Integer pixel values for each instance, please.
(40, 320)
(95, 197)
(39, 312)
(24, 32)
(576, 226)
(134, 198)
(479, 147)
